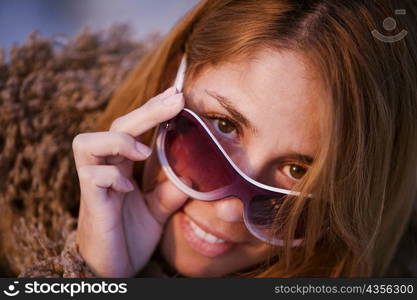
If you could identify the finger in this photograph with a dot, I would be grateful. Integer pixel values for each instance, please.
(158, 109)
(164, 200)
(92, 148)
(96, 180)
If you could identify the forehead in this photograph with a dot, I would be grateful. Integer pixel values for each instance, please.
(275, 90)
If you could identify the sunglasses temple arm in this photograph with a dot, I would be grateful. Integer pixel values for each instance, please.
(179, 79)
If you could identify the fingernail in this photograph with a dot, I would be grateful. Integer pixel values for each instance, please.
(143, 149)
(173, 100)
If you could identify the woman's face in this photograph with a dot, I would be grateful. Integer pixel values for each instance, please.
(265, 112)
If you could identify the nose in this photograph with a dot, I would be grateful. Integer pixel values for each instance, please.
(229, 209)
(252, 162)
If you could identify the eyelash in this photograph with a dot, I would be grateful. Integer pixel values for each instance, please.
(235, 124)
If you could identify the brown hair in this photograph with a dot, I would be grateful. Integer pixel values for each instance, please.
(364, 178)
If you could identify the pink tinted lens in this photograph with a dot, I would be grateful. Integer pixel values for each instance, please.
(268, 216)
(193, 155)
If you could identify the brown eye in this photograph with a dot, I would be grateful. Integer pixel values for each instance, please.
(296, 171)
(224, 126)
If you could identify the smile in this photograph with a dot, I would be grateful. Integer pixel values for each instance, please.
(201, 241)
(205, 236)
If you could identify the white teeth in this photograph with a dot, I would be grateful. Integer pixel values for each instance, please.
(205, 236)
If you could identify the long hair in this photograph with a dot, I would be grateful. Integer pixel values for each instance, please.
(364, 176)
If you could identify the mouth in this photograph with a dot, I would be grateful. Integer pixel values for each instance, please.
(206, 243)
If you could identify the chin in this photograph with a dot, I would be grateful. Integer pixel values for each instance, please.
(178, 254)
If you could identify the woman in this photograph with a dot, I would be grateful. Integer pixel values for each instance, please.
(302, 97)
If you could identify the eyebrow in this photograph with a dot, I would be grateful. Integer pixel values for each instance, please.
(227, 104)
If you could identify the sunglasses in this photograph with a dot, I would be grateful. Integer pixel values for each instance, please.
(187, 148)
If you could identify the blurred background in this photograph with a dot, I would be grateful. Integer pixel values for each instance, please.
(51, 17)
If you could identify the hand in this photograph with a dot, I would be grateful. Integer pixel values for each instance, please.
(119, 227)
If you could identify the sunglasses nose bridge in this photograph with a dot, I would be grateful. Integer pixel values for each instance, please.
(242, 191)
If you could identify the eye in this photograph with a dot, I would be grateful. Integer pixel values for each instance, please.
(224, 126)
(294, 171)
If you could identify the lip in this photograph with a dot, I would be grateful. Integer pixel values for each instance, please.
(199, 245)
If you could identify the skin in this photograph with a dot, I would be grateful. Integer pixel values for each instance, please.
(120, 225)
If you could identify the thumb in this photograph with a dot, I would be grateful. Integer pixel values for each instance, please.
(165, 199)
